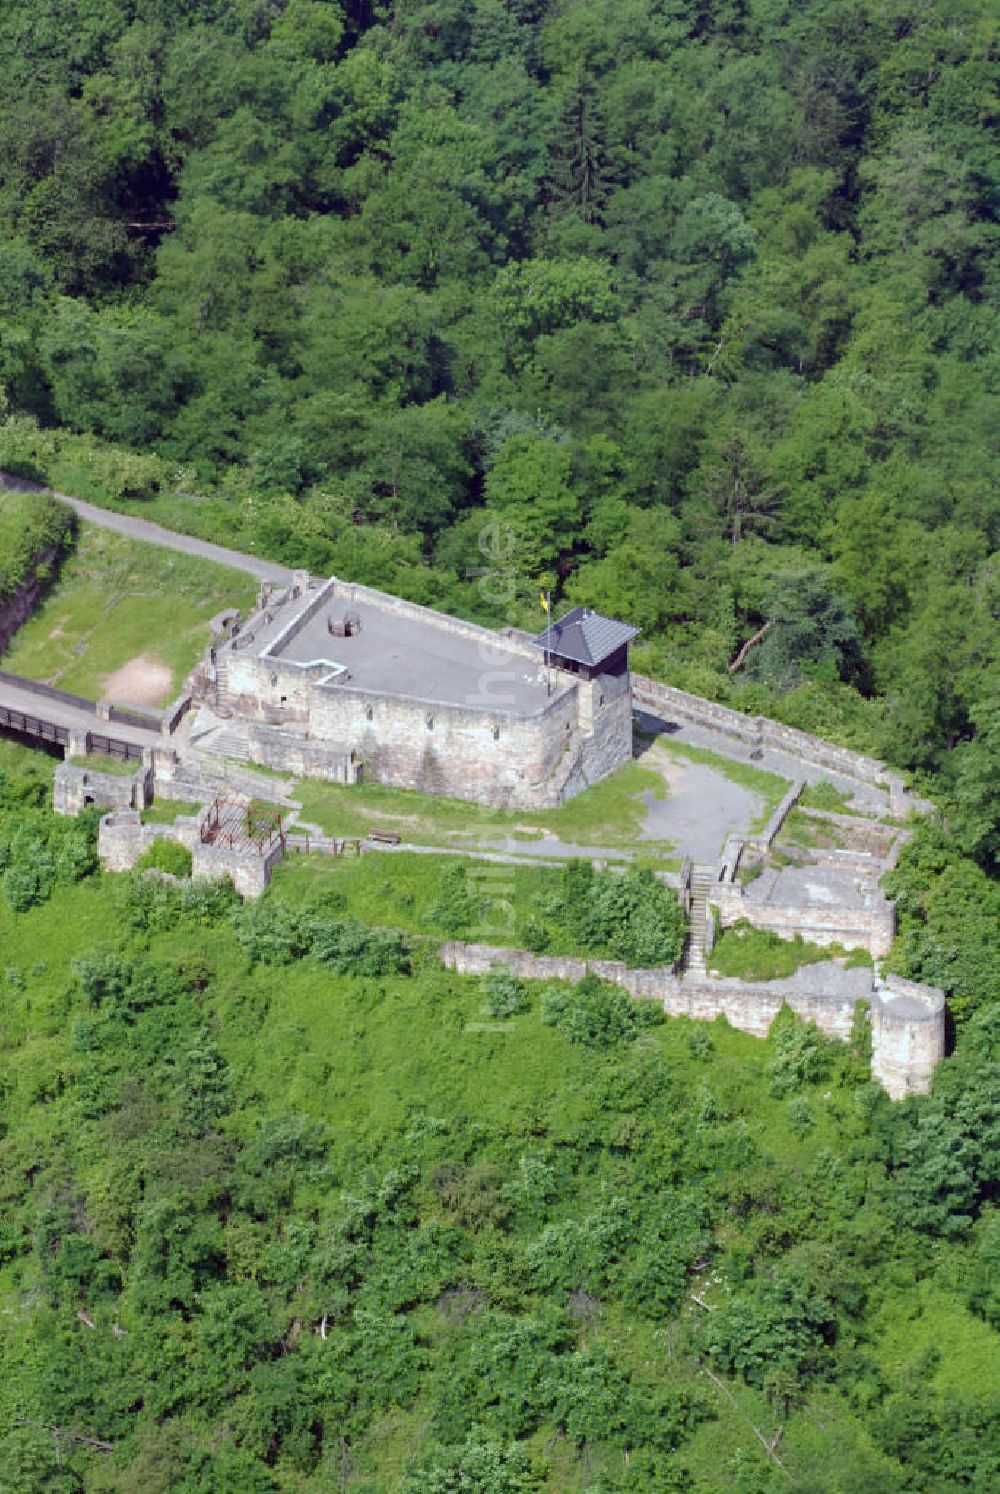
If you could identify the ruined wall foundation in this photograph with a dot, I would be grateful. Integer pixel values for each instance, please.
(907, 1020)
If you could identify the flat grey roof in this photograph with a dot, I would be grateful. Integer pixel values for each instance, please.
(395, 654)
(818, 886)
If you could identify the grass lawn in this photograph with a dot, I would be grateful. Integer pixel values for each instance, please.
(611, 813)
(757, 954)
(101, 762)
(802, 829)
(165, 811)
(116, 600)
(824, 795)
(404, 891)
(771, 787)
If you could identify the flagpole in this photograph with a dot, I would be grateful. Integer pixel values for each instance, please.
(548, 641)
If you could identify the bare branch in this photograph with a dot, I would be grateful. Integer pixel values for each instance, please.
(750, 643)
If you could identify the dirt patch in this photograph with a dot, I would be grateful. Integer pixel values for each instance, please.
(143, 681)
(672, 772)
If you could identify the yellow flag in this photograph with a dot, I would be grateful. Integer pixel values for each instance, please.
(544, 601)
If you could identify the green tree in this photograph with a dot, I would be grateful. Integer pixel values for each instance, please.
(530, 484)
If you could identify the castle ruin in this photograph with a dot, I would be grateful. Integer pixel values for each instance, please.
(342, 681)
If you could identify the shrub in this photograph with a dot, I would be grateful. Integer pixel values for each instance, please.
(750, 953)
(29, 524)
(455, 908)
(776, 1336)
(166, 856)
(500, 1467)
(504, 993)
(823, 795)
(802, 1055)
(274, 934)
(595, 1014)
(533, 935)
(634, 917)
(352, 949)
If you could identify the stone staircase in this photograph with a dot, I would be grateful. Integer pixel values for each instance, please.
(694, 957)
(226, 743)
(224, 697)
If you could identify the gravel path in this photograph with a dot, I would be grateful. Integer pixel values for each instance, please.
(701, 809)
(154, 534)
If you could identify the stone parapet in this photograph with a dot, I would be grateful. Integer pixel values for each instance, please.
(871, 926)
(762, 840)
(758, 732)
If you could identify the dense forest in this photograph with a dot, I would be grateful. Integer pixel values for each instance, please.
(289, 1209)
(685, 309)
(698, 297)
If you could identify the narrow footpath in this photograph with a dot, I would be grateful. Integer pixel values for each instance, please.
(154, 534)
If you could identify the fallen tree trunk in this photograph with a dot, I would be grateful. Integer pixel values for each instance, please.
(750, 643)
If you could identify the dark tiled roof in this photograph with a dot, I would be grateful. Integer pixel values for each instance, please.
(585, 637)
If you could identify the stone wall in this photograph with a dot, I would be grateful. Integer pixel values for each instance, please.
(75, 786)
(907, 1036)
(760, 731)
(250, 873)
(677, 705)
(446, 749)
(175, 712)
(17, 608)
(194, 781)
(270, 747)
(907, 1020)
(122, 838)
(871, 927)
(763, 839)
(606, 747)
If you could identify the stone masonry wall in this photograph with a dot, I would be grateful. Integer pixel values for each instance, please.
(445, 749)
(907, 1036)
(74, 787)
(122, 838)
(251, 874)
(760, 731)
(16, 609)
(907, 1041)
(871, 927)
(606, 748)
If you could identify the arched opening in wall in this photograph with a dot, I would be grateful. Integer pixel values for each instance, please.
(430, 723)
(369, 713)
(88, 799)
(496, 733)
